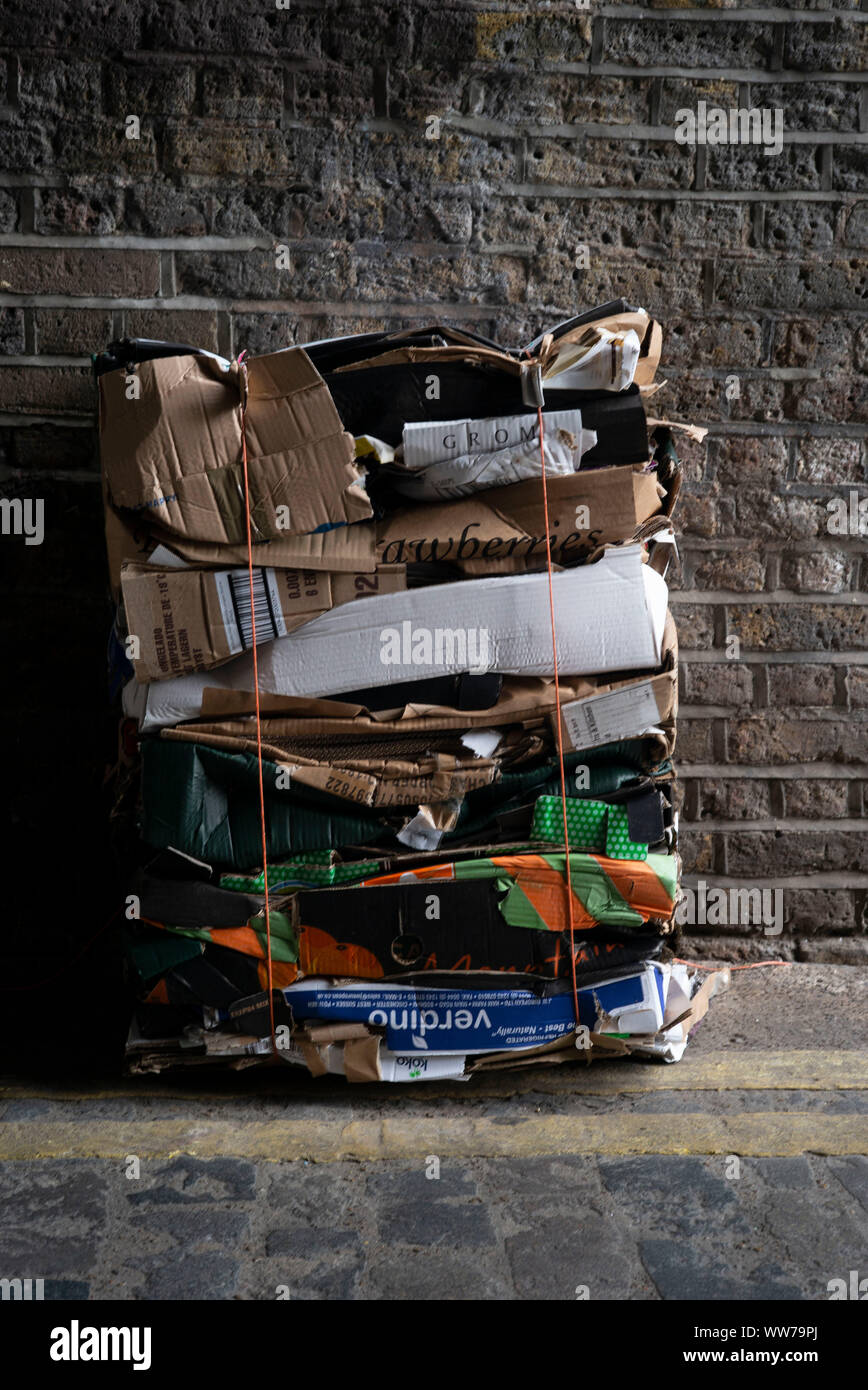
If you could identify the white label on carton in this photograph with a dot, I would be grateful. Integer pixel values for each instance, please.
(233, 593)
(450, 439)
(167, 558)
(394, 1067)
(600, 719)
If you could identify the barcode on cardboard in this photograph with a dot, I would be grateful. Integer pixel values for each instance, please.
(239, 617)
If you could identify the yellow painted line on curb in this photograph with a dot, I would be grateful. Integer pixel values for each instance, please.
(772, 1133)
(814, 1070)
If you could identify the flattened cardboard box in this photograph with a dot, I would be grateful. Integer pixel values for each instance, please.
(189, 620)
(587, 509)
(344, 549)
(610, 617)
(170, 440)
(441, 1019)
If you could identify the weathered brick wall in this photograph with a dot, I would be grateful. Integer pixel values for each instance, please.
(311, 127)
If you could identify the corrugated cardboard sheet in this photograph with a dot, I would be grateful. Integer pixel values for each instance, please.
(170, 439)
(188, 620)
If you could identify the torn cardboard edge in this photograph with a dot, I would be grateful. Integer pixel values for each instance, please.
(170, 442)
(131, 537)
(366, 780)
(182, 621)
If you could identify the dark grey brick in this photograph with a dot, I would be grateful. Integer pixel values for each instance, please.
(196, 1225)
(681, 1272)
(540, 1177)
(195, 1180)
(436, 1223)
(323, 1283)
(208, 1277)
(852, 1173)
(11, 330)
(413, 1185)
(304, 1242)
(430, 1276)
(784, 1172)
(552, 1259)
(66, 1290)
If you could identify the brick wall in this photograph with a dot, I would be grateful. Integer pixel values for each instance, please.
(310, 127)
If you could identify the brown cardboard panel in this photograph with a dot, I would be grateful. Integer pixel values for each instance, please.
(364, 775)
(346, 548)
(187, 620)
(171, 444)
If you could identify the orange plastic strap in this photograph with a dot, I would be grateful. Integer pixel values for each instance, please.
(560, 737)
(243, 370)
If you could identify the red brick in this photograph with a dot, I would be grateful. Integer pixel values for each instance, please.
(808, 798)
(47, 390)
(718, 683)
(72, 332)
(198, 327)
(800, 627)
(124, 274)
(771, 738)
(801, 685)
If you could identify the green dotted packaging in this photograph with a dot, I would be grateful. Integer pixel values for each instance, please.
(310, 870)
(593, 825)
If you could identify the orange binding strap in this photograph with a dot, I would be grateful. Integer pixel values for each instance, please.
(560, 737)
(243, 369)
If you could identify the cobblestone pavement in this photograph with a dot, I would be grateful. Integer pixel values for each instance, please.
(620, 1221)
(643, 1227)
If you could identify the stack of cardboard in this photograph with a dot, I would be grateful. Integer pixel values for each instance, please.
(420, 923)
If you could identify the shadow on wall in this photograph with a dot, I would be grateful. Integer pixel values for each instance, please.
(62, 1002)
